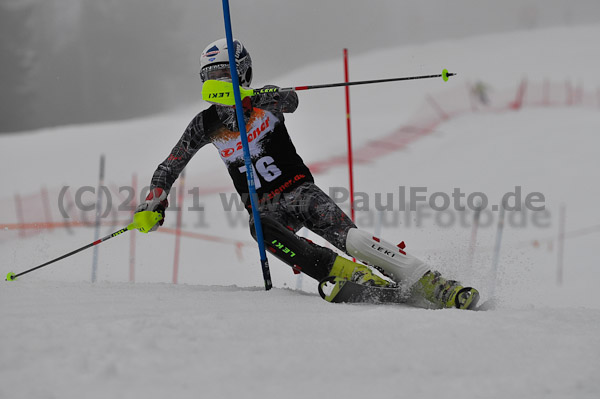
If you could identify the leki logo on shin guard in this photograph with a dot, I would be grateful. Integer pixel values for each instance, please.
(283, 248)
(383, 250)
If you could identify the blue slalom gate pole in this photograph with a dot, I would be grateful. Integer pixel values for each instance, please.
(244, 138)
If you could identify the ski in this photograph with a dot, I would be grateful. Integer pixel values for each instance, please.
(345, 291)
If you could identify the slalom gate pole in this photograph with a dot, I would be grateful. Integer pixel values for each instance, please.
(560, 250)
(98, 217)
(47, 212)
(244, 138)
(219, 92)
(132, 236)
(473, 242)
(496, 258)
(349, 129)
(179, 208)
(20, 215)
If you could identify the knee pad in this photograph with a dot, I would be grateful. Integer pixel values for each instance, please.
(401, 267)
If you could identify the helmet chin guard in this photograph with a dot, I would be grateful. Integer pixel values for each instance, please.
(215, 58)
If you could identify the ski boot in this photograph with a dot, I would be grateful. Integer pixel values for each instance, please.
(355, 272)
(344, 271)
(445, 293)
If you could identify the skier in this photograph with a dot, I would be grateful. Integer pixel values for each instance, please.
(288, 196)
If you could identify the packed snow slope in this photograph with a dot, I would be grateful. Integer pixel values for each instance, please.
(219, 335)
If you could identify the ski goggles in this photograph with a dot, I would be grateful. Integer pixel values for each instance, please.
(216, 72)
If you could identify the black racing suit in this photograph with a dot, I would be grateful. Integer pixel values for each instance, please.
(288, 197)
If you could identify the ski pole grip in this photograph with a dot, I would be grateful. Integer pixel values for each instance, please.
(144, 221)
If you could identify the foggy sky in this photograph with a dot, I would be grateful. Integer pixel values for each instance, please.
(76, 61)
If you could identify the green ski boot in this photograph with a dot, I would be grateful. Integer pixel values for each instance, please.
(446, 293)
(355, 272)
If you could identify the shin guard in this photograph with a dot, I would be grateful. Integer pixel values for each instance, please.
(394, 261)
(299, 253)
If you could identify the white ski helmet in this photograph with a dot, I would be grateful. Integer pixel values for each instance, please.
(214, 62)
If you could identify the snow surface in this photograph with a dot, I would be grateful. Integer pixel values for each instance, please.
(218, 334)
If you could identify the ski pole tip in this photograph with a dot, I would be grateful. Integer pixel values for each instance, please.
(10, 277)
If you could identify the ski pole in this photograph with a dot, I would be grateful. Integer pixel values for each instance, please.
(221, 92)
(142, 221)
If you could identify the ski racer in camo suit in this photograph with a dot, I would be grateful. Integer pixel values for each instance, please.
(288, 196)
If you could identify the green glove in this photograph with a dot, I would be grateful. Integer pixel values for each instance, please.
(145, 221)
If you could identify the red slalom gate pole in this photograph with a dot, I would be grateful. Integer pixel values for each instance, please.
(348, 125)
(46, 202)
